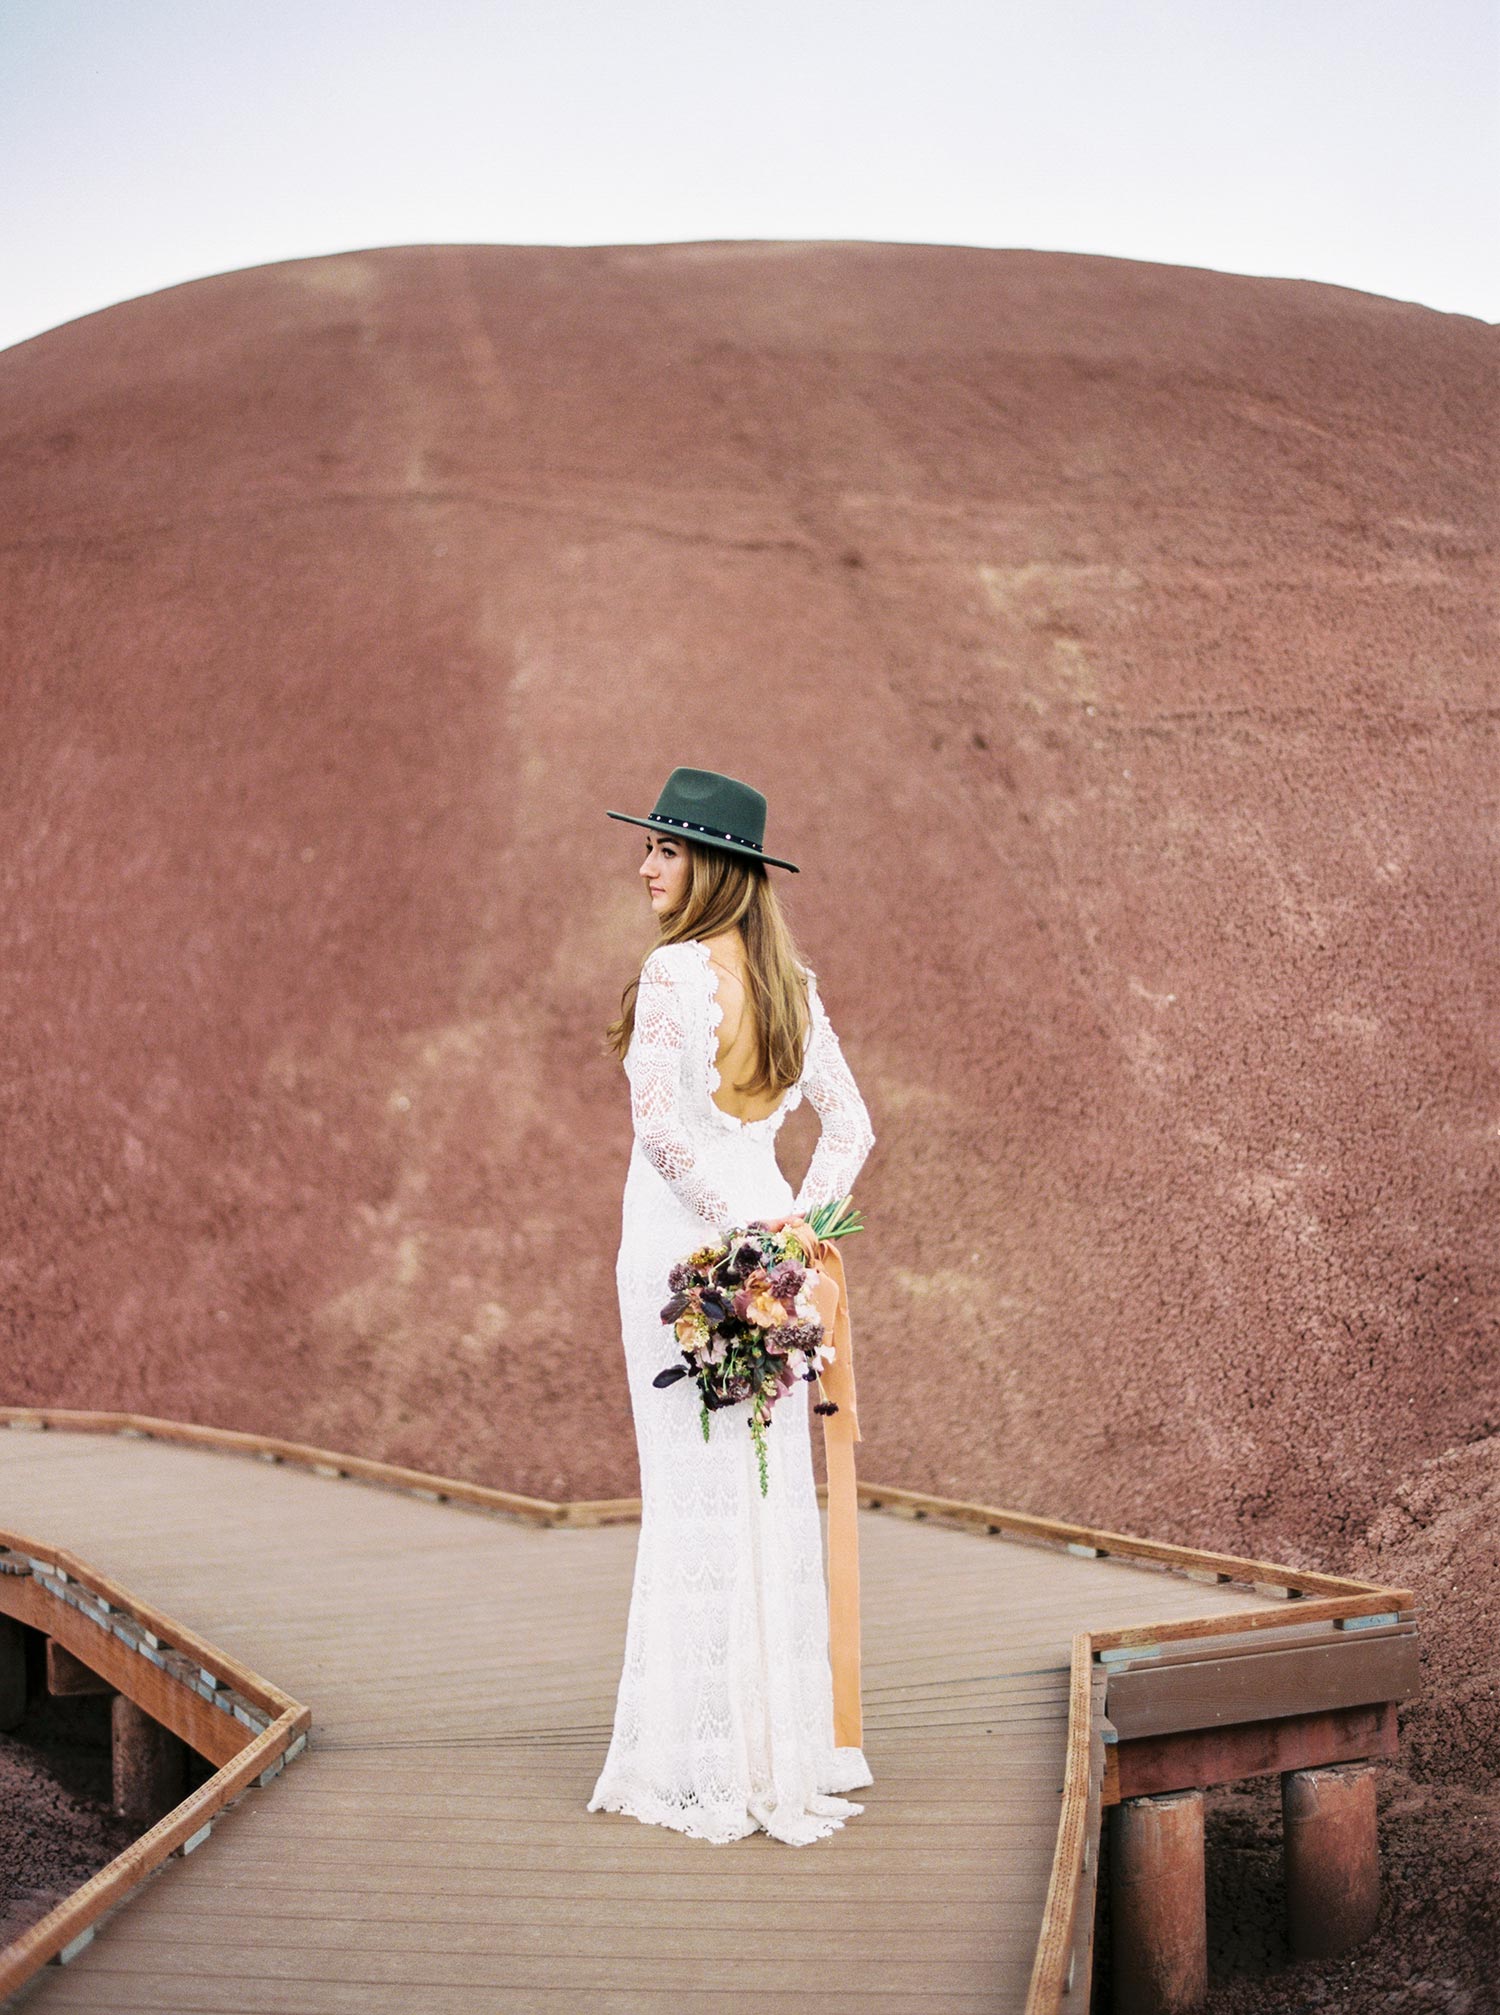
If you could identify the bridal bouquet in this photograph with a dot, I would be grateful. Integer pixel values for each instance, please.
(744, 1315)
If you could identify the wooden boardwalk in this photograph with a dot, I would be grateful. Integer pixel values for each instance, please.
(429, 1850)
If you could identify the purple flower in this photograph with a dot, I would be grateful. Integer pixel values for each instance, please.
(786, 1283)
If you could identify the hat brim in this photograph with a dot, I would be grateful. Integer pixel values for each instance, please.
(703, 840)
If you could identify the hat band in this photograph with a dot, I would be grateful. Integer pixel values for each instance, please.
(692, 825)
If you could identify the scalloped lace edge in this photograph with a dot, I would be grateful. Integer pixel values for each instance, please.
(823, 1813)
(711, 1023)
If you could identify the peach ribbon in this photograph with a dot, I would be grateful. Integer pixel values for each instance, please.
(840, 1432)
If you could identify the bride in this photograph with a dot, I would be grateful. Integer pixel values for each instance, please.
(724, 1718)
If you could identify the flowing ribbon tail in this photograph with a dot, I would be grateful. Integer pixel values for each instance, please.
(840, 1432)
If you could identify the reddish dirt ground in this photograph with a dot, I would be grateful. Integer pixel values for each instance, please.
(1114, 643)
(56, 1822)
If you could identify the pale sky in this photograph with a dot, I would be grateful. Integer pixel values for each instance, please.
(145, 142)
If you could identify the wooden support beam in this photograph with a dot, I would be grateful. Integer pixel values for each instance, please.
(1198, 1757)
(1332, 1857)
(68, 1676)
(1344, 1669)
(1158, 1917)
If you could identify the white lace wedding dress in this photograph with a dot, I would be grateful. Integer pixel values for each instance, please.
(724, 1718)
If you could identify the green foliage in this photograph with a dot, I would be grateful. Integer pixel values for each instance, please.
(836, 1218)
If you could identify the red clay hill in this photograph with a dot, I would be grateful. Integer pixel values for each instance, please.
(1113, 643)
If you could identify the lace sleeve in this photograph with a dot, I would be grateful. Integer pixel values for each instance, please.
(656, 1053)
(846, 1136)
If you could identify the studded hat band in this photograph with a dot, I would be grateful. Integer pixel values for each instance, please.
(731, 814)
(692, 825)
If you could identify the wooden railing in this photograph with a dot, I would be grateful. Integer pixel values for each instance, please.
(215, 1704)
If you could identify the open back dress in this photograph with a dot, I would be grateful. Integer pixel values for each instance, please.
(724, 1717)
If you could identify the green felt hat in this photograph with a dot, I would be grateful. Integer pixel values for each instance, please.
(712, 811)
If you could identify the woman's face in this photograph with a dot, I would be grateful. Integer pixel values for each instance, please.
(665, 869)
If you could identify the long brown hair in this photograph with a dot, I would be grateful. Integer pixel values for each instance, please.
(726, 890)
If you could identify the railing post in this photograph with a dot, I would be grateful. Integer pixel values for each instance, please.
(1158, 1919)
(1332, 1857)
(150, 1764)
